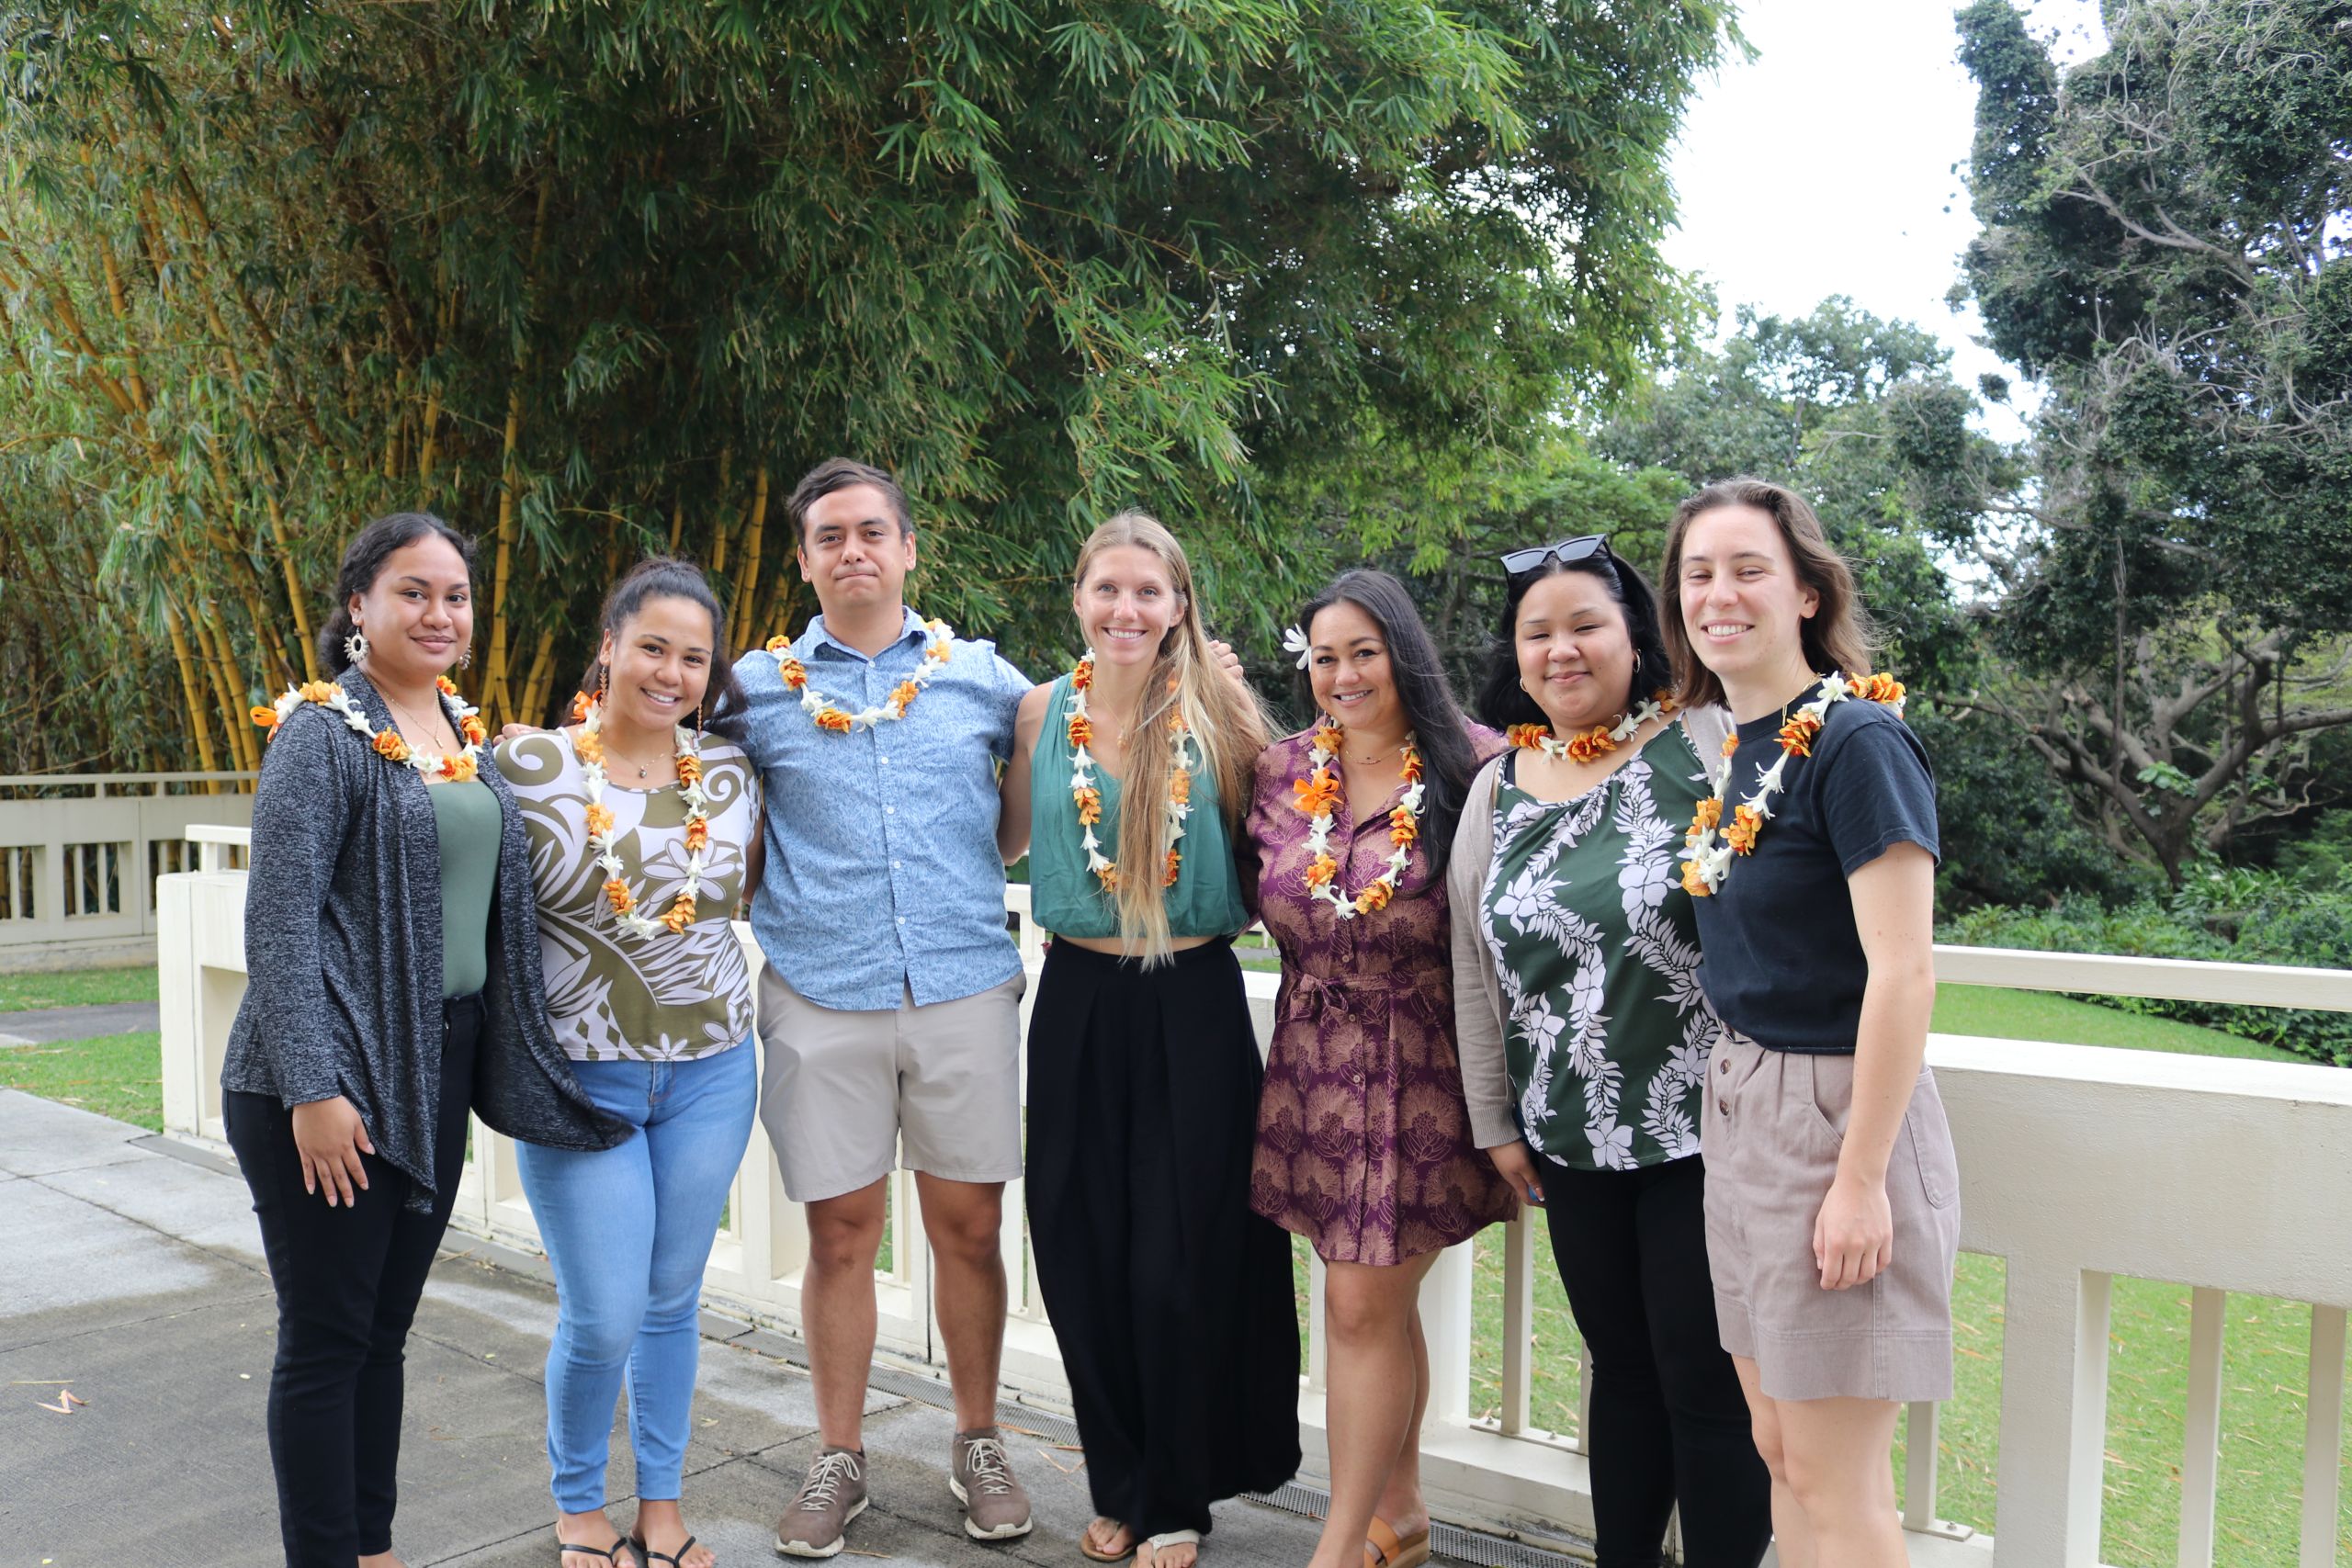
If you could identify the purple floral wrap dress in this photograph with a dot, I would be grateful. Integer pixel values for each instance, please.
(1363, 1144)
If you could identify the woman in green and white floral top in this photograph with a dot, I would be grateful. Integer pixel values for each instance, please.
(643, 820)
(1583, 1035)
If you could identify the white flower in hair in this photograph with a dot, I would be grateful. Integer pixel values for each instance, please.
(1295, 641)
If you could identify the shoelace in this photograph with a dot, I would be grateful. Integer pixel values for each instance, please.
(824, 1478)
(985, 1458)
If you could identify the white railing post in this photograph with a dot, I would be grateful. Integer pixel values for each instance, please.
(2200, 1454)
(2322, 1436)
(1446, 1322)
(1519, 1323)
(2054, 1413)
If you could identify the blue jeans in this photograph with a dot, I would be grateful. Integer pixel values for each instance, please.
(628, 1231)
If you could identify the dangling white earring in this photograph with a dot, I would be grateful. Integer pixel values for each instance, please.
(466, 659)
(355, 647)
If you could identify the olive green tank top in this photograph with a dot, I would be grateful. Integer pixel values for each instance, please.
(467, 818)
(1065, 897)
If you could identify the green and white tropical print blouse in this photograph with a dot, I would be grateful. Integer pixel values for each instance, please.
(1597, 949)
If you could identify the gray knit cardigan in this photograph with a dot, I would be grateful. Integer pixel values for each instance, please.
(343, 954)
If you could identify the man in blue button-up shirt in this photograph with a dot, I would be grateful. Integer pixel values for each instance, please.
(890, 1008)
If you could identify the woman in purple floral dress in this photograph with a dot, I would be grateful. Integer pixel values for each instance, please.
(1363, 1145)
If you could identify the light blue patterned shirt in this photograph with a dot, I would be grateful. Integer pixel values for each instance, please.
(882, 869)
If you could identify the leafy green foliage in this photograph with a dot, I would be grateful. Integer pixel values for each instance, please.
(2163, 244)
(593, 280)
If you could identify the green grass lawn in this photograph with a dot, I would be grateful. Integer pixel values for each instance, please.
(75, 987)
(119, 1076)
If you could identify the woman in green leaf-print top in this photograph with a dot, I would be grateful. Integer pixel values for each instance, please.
(1584, 1036)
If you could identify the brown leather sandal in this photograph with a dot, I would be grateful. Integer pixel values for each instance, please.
(1384, 1548)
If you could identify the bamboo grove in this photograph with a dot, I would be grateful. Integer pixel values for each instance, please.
(591, 281)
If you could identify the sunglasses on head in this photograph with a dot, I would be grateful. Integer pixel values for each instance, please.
(1519, 563)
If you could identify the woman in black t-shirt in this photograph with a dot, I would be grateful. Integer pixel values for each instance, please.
(1833, 1212)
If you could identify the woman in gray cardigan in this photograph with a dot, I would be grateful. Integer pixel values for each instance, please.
(393, 984)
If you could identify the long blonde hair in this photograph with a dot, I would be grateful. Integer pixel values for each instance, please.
(1226, 725)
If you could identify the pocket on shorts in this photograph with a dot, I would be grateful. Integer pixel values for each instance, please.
(1930, 1136)
(1829, 1096)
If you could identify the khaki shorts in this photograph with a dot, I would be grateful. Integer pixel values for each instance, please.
(842, 1094)
(1775, 1122)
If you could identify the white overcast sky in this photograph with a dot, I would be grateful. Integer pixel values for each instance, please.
(1832, 163)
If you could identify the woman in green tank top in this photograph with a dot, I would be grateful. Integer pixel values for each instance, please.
(1170, 1298)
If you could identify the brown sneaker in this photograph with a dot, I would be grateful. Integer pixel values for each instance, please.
(832, 1495)
(995, 1507)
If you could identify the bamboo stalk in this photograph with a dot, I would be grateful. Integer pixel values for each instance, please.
(738, 617)
(495, 683)
(220, 667)
(677, 522)
(197, 726)
(538, 689)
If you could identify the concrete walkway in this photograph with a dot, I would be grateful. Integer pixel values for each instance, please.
(49, 1024)
(134, 1279)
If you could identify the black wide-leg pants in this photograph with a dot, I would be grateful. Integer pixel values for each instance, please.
(348, 1281)
(1170, 1299)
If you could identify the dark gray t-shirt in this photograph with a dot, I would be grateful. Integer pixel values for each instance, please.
(1784, 963)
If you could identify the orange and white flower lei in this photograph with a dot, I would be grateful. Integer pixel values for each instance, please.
(389, 743)
(1711, 844)
(589, 747)
(1089, 798)
(1587, 744)
(938, 648)
(1319, 793)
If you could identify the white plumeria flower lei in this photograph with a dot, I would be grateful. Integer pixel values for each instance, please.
(1711, 843)
(938, 648)
(589, 749)
(389, 743)
(1088, 797)
(1592, 742)
(1318, 795)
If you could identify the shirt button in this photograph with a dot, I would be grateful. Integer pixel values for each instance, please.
(902, 919)
(886, 760)
(889, 811)
(894, 865)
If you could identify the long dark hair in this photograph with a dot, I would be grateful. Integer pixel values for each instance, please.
(363, 563)
(1503, 702)
(1448, 760)
(724, 705)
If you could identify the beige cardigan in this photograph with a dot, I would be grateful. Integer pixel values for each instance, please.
(1477, 995)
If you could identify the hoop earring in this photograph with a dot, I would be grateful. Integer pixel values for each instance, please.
(355, 647)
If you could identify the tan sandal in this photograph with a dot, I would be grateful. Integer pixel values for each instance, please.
(1086, 1543)
(1384, 1548)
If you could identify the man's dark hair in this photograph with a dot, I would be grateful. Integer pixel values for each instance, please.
(840, 473)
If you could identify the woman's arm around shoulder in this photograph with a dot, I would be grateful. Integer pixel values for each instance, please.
(1013, 813)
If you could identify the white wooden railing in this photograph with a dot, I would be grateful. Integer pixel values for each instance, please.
(80, 853)
(2077, 1165)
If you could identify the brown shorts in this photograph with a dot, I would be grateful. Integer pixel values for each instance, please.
(1775, 1122)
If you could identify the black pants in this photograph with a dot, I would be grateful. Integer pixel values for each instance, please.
(1670, 1423)
(1170, 1299)
(347, 1284)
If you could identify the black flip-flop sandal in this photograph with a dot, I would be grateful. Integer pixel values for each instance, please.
(609, 1553)
(650, 1555)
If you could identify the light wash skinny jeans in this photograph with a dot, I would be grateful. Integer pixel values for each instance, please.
(628, 1231)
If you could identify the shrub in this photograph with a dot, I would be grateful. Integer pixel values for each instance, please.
(2233, 916)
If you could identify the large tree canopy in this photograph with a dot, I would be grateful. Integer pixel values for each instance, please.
(589, 279)
(2165, 243)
